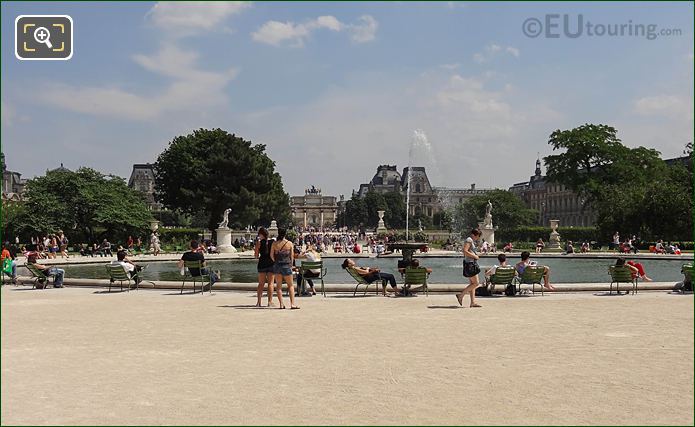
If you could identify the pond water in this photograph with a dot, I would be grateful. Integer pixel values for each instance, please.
(446, 270)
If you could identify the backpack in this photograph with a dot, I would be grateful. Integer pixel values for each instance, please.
(510, 290)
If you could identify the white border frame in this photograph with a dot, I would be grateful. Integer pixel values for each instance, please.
(72, 35)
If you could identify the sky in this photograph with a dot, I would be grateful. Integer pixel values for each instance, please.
(335, 89)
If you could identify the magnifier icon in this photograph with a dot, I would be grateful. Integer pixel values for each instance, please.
(42, 35)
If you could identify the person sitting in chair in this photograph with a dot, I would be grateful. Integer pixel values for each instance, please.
(311, 255)
(370, 274)
(526, 262)
(194, 255)
(128, 265)
(58, 273)
(502, 258)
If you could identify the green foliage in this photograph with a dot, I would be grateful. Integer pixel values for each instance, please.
(82, 204)
(209, 171)
(442, 220)
(508, 211)
(362, 212)
(632, 189)
(532, 234)
(178, 236)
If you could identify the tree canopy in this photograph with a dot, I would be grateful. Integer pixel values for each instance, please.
(209, 171)
(632, 189)
(84, 204)
(362, 212)
(508, 211)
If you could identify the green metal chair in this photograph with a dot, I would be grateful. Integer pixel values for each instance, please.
(503, 276)
(621, 274)
(687, 271)
(533, 275)
(360, 281)
(6, 269)
(202, 278)
(313, 265)
(415, 276)
(118, 273)
(39, 276)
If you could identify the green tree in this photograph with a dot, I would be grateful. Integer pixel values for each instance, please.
(595, 158)
(84, 204)
(209, 171)
(395, 210)
(508, 211)
(632, 189)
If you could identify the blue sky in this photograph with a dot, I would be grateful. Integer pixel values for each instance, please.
(335, 89)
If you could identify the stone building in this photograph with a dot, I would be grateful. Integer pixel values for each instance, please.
(424, 198)
(313, 209)
(12, 182)
(554, 201)
(385, 180)
(142, 180)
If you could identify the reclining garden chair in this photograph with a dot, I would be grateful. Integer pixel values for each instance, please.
(40, 278)
(360, 281)
(621, 274)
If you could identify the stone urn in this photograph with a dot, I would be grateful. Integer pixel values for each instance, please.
(381, 227)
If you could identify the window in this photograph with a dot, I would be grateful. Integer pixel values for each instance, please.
(417, 188)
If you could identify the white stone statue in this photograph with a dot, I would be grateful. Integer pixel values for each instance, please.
(225, 219)
(488, 214)
(419, 225)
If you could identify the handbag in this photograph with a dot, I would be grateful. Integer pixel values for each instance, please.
(470, 268)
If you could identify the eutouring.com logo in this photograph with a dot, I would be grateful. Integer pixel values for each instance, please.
(555, 26)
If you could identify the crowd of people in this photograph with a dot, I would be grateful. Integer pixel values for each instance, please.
(277, 259)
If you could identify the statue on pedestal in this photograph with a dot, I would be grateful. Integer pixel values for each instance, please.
(225, 219)
(488, 215)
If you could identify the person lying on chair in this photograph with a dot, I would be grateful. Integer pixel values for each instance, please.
(370, 274)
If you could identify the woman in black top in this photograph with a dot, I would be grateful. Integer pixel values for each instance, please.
(265, 265)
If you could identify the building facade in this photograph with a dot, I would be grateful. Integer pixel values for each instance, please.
(142, 180)
(554, 201)
(314, 210)
(12, 182)
(424, 198)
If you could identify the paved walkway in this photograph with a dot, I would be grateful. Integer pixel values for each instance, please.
(80, 356)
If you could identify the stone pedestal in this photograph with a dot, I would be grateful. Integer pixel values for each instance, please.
(487, 232)
(381, 227)
(554, 242)
(224, 241)
(273, 229)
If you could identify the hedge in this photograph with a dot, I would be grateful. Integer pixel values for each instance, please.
(532, 234)
(181, 236)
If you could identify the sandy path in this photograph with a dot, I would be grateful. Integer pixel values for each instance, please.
(80, 356)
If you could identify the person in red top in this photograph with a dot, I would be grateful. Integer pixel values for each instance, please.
(636, 268)
(13, 264)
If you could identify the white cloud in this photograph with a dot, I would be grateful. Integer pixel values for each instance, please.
(492, 50)
(370, 121)
(364, 30)
(191, 89)
(668, 105)
(288, 33)
(186, 17)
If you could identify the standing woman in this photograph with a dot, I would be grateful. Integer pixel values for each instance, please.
(261, 252)
(470, 267)
(282, 254)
